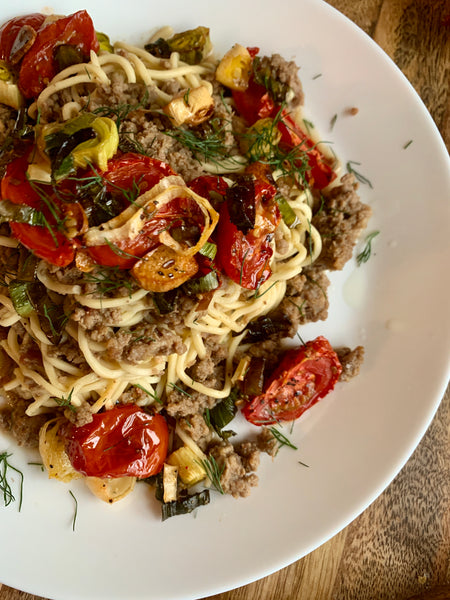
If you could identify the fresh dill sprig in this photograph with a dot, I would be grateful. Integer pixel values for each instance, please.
(5, 485)
(309, 125)
(153, 395)
(37, 464)
(109, 279)
(180, 389)
(121, 111)
(366, 253)
(207, 148)
(214, 472)
(333, 121)
(359, 177)
(75, 513)
(259, 295)
(282, 439)
(66, 402)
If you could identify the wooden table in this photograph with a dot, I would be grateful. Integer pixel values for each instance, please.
(399, 548)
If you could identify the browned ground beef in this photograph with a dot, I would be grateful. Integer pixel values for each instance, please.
(341, 220)
(286, 72)
(142, 344)
(25, 429)
(237, 466)
(351, 361)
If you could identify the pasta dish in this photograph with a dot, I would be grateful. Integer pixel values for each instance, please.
(167, 221)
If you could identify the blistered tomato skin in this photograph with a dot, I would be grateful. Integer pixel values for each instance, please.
(304, 375)
(124, 441)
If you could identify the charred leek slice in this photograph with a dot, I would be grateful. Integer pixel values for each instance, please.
(84, 140)
(20, 213)
(192, 45)
(184, 505)
(287, 212)
(19, 293)
(201, 285)
(222, 414)
(209, 250)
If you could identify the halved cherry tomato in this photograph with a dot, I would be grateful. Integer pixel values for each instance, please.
(38, 65)
(45, 242)
(11, 29)
(123, 441)
(211, 187)
(320, 173)
(255, 103)
(123, 174)
(303, 376)
(245, 257)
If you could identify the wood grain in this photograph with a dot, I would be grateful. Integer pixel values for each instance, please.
(399, 548)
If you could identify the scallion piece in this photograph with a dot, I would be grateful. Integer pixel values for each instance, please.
(18, 291)
(20, 213)
(287, 213)
(223, 413)
(202, 284)
(209, 250)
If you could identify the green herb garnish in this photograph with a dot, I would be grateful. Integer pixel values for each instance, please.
(281, 438)
(5, 485)
(213, 472)
(75, 514)
(366, 253)
(359, 177)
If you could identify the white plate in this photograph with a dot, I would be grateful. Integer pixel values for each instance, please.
(355, 440)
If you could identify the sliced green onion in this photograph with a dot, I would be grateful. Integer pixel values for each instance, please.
(202, 284)
(287, 213)
(18, 291)
(20, 213)
(104, 41)
(209, 250)
(223, 413)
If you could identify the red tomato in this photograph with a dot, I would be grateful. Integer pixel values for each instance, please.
(304, 375)
(211, 187)
(10, 30)
(123, 441)
(254, 103)
(52, 245)
(124, 173)
(320, 173)
(38, 66)
(245, 257)
(132, 169)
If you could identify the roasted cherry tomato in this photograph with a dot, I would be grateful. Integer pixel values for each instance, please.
(123, 441)
(244, 255)
(9, 33)
(211, 187)
(45, 242)
(39, 66)
(255, 103)
(303, 376)
(125, 173)
(320, 174)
